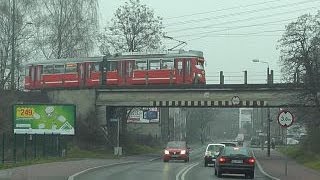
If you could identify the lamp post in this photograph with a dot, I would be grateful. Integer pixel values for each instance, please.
(268, 110)
(268, 69)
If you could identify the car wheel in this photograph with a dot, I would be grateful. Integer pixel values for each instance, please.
(186, 160)
(215, 172)
(205, 164)
(165, 160)
(252, 175)
(249, 175)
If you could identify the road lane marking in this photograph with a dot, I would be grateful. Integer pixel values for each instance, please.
(185, 170)
(261, 169)
(181, 171)
(72, 177)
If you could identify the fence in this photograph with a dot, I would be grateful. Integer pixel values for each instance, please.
(23, 147)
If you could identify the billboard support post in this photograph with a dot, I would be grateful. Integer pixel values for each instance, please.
(14, 148)
(25, 146)
(35, 146)
(59, 145)
(44, 145)
(3, 141)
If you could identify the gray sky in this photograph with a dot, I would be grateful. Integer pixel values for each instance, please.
(230, 32)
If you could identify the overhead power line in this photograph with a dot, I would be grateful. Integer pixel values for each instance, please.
(232, 28)
(223, 9)
(241, 20)
(239, 13)
(238, 34)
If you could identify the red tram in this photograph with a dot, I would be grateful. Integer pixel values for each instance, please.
(173, 67)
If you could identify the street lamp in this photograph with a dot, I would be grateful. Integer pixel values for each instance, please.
(268, 110)
(265, 62)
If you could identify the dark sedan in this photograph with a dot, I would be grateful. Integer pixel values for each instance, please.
(235, 160)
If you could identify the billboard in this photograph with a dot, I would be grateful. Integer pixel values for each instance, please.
(144, 115)
(44, 119)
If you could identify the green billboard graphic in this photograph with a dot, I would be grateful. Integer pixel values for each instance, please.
(44, 119)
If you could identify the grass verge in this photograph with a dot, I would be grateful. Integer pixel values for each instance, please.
(75, 153)
(308, 159)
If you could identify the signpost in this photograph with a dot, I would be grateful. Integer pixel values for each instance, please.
(285, 120)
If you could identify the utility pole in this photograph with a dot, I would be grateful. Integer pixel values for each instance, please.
(269, 133)
(13, 62)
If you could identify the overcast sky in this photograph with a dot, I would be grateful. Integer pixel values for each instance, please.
(230, 32)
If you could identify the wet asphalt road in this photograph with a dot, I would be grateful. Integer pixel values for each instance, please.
(158, 170)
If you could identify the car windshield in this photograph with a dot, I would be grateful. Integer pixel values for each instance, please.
(199, 65)
(229, 144)
(235, 151)
(176, 144)
(214, 148)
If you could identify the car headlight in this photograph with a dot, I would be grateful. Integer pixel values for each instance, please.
(199, 75)
(183, 152)
(166, 152)
(208, 153)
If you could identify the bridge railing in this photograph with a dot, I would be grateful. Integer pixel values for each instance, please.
(244, 77)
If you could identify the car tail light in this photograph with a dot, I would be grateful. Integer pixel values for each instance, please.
(183, 152)
(251, 160)
(222, 160)
(166, 152)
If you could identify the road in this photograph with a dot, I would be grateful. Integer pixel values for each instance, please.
(158, 170)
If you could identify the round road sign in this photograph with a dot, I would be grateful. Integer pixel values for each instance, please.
(285, 118)
(235, 100)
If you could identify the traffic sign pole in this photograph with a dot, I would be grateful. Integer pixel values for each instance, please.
(285, 120)
(286, 163)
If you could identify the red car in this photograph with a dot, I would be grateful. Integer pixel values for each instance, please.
(176, 150)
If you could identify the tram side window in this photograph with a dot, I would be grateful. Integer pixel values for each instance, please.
(154, 64)
(28, 72)
(71, 68)
(48, 69)
(167, 64)
(141, 65)
(112, 66)
(59, 68)
(94, 67)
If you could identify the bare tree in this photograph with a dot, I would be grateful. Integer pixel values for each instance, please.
(197, 122)
(66, 28)
(300, 52)
(133, 28)
(14, 35)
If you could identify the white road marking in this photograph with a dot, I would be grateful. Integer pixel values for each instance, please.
(185, 170)
(72, 177)
(261, 169)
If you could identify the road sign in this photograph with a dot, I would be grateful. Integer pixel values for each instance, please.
(285, 118)
(235, 100)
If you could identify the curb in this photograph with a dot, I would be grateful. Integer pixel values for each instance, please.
(98, 167)
(261, 169)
